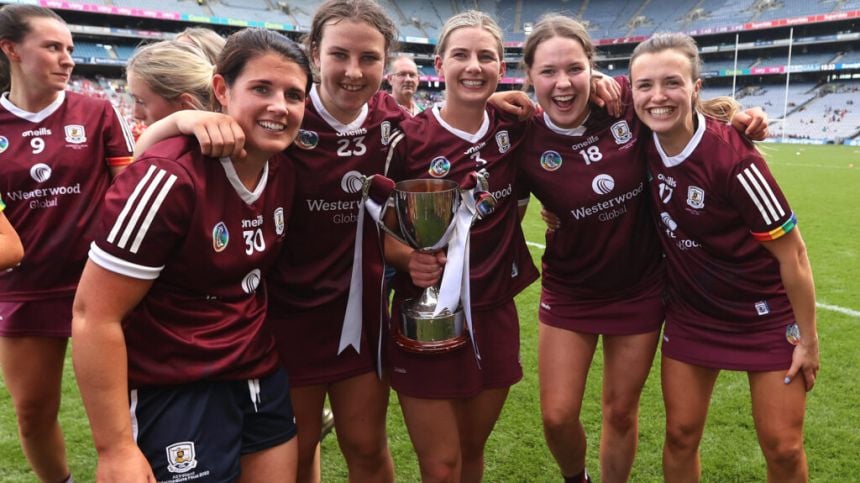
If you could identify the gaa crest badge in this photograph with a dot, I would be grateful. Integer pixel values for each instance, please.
(503, 140)
(4, 143)
(621, 132)
(439, 167)
(220, 237)
(307, 139)
(696, 197)
(181, 457)
(75, 134)
(280, 225)
(550, 160)
(385, 132)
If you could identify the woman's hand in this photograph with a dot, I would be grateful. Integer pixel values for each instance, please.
(426, 268)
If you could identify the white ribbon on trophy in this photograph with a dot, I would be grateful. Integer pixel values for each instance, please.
(455, 288)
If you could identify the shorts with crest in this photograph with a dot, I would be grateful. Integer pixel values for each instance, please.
(37, 318)
(457, 373)
(200, 430)
(767, 349)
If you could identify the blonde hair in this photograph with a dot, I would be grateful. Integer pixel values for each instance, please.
(208, 41)
(171, 68)
(721, 108)
(471, 18)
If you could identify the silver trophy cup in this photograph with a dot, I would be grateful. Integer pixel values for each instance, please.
(425, 210)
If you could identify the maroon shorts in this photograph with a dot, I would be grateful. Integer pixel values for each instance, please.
(307, 344)
(637, 313)
(37, 318)
(456, 374)
(767, 349)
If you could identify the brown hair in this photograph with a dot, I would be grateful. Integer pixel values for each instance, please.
(471, 18)
(248, 44)
(722, 107)
(557, 25)
(367, 11)
(14, 26)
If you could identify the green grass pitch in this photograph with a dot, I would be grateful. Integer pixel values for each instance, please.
(823, 186)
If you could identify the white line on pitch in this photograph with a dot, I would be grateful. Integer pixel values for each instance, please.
(832, 308)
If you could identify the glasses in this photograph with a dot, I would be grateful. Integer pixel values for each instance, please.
(406, 75)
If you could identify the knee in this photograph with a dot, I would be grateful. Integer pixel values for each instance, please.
(557, 418)
(783, 452)
(620, 419)
(682, 437)
(35, 416)
(369, 453)
(440, 470)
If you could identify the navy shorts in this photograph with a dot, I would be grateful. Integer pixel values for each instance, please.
(198, 431)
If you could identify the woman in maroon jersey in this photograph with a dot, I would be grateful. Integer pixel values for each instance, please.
(451, 400)
(741, 294)
(183, 247)
(58, 152)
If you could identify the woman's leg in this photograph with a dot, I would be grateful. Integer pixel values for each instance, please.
(627, 362)
(476, 417)
(432, 426)
(272, 464)
(564, 358)
(33, 371)
(686, 393)
(360, 407)
(778, 411)
(307, 406)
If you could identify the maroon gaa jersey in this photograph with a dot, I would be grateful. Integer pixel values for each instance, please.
(330, 159)
(500, 263)
(54, 172)
(593, 178)
(714, 204)
(187, 222)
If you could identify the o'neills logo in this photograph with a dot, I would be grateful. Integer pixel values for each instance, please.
(43, 131)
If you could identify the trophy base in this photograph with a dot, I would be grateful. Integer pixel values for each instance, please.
(422, 332)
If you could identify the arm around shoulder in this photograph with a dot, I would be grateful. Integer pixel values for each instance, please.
(11, 249)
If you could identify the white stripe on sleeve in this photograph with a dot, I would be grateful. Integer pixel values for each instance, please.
(754, 198)
(766, 186)
(129, 203)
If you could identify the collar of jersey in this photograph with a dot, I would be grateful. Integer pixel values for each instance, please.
(574, 131)
(32, 116)
(472, 138)
(672, 161)
(249, 197)
(334, 123)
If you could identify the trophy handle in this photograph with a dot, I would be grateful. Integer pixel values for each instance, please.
(380, 189)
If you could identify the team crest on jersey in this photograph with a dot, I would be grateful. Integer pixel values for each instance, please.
(307, 139)
(352, 182)
(76, 134)
(696, 197)
(385, 132)
(40, 172)
(4, 143)
(439, 167)
(550, 160)
(792, 334)
(621, 132)
(503, 140)
(181, 457)
(603, 184)
(251, 281)
(220, 237)
(280, 225)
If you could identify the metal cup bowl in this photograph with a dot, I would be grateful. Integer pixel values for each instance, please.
(421, 332)
(425, 208)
